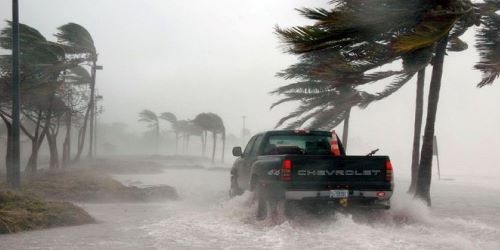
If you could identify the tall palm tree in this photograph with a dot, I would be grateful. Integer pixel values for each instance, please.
(353, 27)
(417, 129)
(181, 128)
(153, 122)
(77, 40)
(172, 119)
(74, 79)
(43, 64)
(189, 128)
(422, 189)
(213, 123)
(204, 121)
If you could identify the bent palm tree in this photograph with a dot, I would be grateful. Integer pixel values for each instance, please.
(213, 123)
(356, 28)
(152, 121)
(43, 64)
(78, 41)
(170, 117)
(204, 121)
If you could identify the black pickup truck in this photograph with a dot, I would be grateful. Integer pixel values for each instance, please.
(299, 166)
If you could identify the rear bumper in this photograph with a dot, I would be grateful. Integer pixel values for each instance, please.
(325, 194)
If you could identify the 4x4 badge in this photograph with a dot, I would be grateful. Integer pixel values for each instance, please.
(273, 172)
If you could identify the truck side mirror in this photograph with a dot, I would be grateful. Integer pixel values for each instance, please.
(237, 151)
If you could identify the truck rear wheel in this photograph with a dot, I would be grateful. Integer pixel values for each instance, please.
(262, 202)
(234, 190)
(267, 202)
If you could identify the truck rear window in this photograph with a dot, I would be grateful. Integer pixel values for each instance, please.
(297, 144)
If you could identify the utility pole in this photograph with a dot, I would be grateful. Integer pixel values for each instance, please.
(13, 163)
(95, 67)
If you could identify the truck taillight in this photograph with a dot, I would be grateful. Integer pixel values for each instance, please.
(286, 170)
(388, 170)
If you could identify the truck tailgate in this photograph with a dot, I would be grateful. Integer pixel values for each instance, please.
(347, 172)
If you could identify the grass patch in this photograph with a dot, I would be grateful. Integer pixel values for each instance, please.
(89, 185)
(21, 212)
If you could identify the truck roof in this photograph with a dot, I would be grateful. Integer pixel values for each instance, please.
(297, 131)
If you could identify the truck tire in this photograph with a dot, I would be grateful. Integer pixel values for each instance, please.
(267, 202)
(262, 202)
(235, 189)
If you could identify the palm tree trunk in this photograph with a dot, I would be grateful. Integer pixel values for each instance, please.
(157, 142)
(52, 141)
(345, 133)
(176, 142)
(214, 146)
(223, 146)
(54, 154)
(202, 137)
(81, 135)
(67, 142)
(32, 164)
(91, 106)
(205, 143)
(422, 190)
(419, 110)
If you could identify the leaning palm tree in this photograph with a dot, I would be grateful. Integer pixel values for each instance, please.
(191, 129)
(153, 122)
(325, 97)
(213, 123)
(170, 117)
(357, 28)
(203, 121)
(43, 64)
(78, 41)
(74, 79)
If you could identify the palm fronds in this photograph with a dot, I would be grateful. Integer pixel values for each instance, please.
(76, 38)
(168, 116)
(488, 45)
(147, 115)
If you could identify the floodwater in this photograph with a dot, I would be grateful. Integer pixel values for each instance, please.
(465, 215)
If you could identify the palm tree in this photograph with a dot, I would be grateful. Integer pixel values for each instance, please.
(353, 27)
(203, 120)
(422, 189)
(417, 129)
(487, 44)
(153, 122)
(74, 79)
(213, 123)
(43, 64)
(192, 129)
(35, 52)
(170, 117)
(327, 93)
(181, 127)
(77, 40)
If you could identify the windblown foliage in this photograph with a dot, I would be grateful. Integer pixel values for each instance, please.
(488, 45)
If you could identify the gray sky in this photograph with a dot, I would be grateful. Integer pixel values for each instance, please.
(188, 57)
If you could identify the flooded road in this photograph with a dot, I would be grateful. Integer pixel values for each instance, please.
(463, 217)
